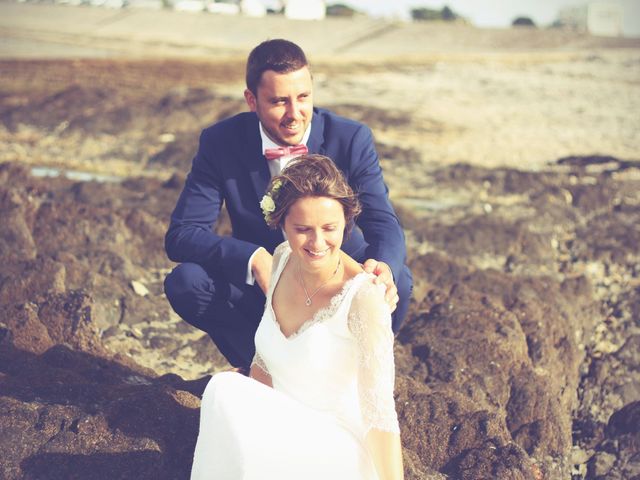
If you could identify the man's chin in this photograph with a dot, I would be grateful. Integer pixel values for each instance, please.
(291, 142)
(291, 139)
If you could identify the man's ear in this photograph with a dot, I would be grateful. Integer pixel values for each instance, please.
(251, 100)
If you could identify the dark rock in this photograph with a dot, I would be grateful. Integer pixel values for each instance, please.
(518, 331)
(488, 236)
(507, 462)
(68, 414)
(626, 420)
(601, 464)
(25, 280)
(178, 153)
(175, 182)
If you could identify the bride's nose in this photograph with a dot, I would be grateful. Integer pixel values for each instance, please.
(316, 241)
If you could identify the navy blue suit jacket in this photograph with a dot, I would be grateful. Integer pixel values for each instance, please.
(229, 167)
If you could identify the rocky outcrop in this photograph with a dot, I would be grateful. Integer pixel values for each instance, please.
(71, 407)
(524, 309)
(66, 413)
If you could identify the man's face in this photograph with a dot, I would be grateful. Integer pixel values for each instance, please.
(284, 104)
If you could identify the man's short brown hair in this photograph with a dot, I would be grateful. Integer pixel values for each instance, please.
(279, 55)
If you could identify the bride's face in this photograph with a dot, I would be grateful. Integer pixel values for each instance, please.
(315, 227)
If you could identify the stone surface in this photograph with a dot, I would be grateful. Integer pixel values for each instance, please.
(71, 414)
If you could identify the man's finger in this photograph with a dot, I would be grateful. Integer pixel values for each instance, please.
(392, 302)
(370, 266)
(384, 277)
(391, 294)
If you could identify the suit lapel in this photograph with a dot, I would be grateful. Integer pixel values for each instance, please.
(253, 159)
(256, 166)
(315, 144)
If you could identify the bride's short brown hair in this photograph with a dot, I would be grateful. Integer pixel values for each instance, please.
(310, 175)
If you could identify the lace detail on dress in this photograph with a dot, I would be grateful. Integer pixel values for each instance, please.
(370, 323)
(280, 259)
(279, 250)
(324, 313)
(257, 360)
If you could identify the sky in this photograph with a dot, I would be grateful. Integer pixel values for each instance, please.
(496, 13)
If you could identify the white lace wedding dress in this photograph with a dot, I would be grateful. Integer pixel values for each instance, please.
(332, 382)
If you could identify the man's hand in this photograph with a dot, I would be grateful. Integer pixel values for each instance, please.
(261, 268)
(383, 275)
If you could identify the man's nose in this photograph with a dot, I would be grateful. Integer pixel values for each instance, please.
(294, 110)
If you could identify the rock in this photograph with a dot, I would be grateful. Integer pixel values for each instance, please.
(617, 454)
(139, 288)
(517, 339)
(27, 280)
(601, 464)
(507, 462)
(16, 241)
(68, 414)
(6, 336)
(175, 182)
(624, 421)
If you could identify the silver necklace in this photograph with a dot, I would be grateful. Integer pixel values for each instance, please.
(309, 297)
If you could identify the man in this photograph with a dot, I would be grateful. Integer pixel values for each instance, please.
(219, 285)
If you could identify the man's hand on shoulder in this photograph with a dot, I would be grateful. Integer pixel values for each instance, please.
(261, 268)
(383, 275)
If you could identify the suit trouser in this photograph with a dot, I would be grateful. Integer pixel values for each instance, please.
(230, 313)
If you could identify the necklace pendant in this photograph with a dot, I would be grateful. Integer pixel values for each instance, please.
(308, 302)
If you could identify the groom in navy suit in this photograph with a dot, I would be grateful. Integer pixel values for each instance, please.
(220, 283)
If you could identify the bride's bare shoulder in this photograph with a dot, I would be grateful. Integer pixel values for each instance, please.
(351, 267)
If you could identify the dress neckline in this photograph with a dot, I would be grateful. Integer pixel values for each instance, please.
(321, 314)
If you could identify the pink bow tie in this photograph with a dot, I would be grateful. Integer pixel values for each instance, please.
(275, 153)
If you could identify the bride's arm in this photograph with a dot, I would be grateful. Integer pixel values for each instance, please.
(259, 370)
(386, 451)
(259, 374)
(370, 323)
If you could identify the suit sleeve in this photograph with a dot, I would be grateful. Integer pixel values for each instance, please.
(378, 221)
(190, 237)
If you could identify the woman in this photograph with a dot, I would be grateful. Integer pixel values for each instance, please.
(322, 406)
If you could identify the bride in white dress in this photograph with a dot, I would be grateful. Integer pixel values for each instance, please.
(319, 400)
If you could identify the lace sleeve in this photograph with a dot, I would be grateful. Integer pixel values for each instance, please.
(278, 252)
(257, 361)
(370, 323)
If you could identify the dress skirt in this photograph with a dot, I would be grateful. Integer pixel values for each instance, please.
(249, 431)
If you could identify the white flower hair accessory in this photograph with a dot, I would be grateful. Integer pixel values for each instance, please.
(268, 204)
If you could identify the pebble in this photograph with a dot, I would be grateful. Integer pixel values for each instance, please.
(139, 288)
